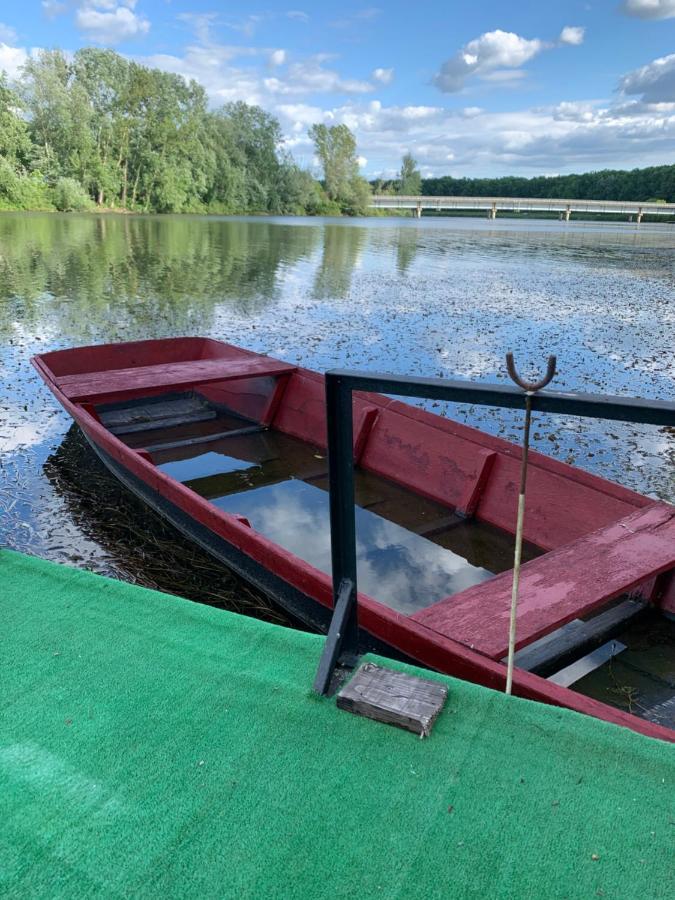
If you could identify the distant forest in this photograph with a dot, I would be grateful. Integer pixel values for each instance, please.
(654, 183)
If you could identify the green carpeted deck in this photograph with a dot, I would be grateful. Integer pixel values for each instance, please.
(151, 747)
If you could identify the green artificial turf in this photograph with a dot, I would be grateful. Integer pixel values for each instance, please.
(152, 747)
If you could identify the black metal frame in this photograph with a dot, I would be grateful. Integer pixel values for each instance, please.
(342, 641)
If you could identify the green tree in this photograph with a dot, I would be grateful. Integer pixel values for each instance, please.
(59, 117)
(336, 148)
(15, 143)
(410, 180)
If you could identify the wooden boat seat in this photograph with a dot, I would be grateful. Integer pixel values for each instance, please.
(96, 387)
(562, 585)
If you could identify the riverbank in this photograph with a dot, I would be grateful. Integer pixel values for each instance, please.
(514, 215)
(155, 747)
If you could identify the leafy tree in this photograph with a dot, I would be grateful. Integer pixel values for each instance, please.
(70, 196)
(410, 180)
(336, 148)
(15, 143)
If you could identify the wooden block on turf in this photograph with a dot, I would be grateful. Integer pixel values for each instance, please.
(394, 697)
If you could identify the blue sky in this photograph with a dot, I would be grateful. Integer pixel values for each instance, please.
(479, 88)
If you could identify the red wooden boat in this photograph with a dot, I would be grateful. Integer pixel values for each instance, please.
(229, 446)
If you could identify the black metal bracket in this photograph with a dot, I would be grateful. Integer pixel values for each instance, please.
(342, 640)
(342, 644)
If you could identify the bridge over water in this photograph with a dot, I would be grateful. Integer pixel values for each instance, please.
(565, 208)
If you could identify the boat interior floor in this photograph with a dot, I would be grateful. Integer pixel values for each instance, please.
(411, 551)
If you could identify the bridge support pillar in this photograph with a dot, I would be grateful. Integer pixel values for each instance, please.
(639, 215)
(568, 213)
(417, 211)
(492, 213)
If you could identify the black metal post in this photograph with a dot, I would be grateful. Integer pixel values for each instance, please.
(343, 639)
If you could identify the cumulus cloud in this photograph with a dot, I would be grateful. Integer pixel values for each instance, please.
(312, 77)
(649, 9)
(486, 56)
(655, 82)
(573, 35)
(110, 21)
(384, 76)
(277, 57)
(11, 60)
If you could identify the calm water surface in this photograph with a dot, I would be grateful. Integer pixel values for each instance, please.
(437, 297)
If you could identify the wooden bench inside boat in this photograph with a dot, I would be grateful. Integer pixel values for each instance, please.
(562, 585)
(95, 387)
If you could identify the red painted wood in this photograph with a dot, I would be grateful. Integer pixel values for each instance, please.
(510, 450)
(362, 430)
(274, 401)
(248, 397)
(468, 505)
(560, 586)
(438, 465)
(96, 386)
(303, 414)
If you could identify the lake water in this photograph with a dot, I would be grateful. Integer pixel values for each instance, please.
(441, 297)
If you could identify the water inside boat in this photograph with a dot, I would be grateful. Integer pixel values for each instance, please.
(411, 551)
(640, 679)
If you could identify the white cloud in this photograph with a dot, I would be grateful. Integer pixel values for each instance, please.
(384, 76)
(655, 82)
(277, 57)
(7, 34)
(11, 60)
(298, 15)
(572, 34)
(492, 52)
(311, 77)
(649, 9)
(110, 21)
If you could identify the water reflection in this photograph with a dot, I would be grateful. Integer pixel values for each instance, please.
(394, 565)
(342, 247)
(115, 270)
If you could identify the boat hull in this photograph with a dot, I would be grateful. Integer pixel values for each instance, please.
(305, 592)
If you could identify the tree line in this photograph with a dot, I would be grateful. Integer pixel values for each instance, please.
(650, 184)
(100, 130)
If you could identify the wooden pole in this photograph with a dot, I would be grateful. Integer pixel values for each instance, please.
(519, 542)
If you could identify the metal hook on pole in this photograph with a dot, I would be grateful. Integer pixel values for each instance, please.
(530, 388)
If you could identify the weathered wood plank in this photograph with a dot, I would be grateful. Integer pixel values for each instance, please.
(204, 438)
(561, 585)
(151, 416)
(139, 413)
(395, 698)
(562, 647)
(96, 386)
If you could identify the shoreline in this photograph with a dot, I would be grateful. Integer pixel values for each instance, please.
(599, 218)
